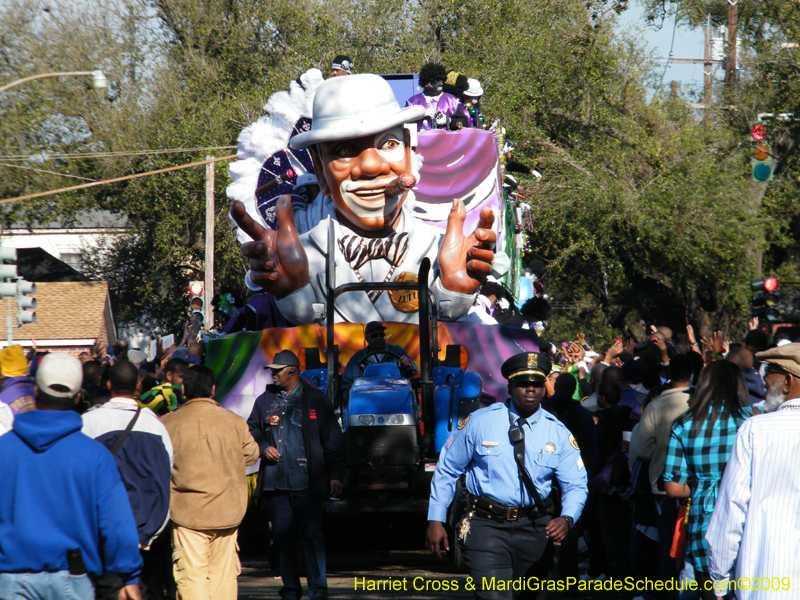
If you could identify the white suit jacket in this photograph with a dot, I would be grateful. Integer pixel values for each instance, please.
(356, 307)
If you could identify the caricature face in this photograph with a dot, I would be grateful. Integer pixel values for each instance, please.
(433, 88)
(355, 173)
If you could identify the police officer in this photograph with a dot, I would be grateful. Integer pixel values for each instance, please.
(504, 528)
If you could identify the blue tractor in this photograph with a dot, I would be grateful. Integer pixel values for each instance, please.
(396, 427)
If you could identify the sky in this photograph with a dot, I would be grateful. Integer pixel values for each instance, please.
(688, 43)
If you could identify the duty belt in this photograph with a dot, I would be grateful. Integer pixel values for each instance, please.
(486, 508)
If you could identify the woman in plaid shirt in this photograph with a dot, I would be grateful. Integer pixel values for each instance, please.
(699, 447)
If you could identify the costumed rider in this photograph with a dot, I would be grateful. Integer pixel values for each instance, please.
(456, 84)
(361, 150)
(472, 104)
(508, 519)
(440, 107)
(341, 65)
(376, 351)
(305, 191)
(485, 304)
(512, 166)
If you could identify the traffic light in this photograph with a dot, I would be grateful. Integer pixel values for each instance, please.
(196, 301)
(12, 285)
(8, 272)
(764, 298)
(25, 302)
(761, 159)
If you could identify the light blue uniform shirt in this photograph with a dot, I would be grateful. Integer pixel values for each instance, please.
(483, 450)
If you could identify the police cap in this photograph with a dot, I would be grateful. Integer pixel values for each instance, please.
(534, 366)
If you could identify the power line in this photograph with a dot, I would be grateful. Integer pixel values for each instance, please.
(671, 45)
(46, 156)
(117, 179)
(45, 171)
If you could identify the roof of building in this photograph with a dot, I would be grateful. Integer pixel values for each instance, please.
(67, 310)
(37, 265)
(88, 219)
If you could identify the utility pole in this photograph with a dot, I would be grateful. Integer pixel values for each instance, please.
(707, 72)
(708, 61)
(730, 59)
(209, 262)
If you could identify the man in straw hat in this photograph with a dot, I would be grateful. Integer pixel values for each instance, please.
(362, 157)
(754, 531)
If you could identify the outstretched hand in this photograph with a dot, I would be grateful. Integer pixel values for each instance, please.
(464, 262)
(278, 262)
(614, 351)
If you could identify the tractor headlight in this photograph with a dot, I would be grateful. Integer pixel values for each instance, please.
(395, 420)
(366, 420)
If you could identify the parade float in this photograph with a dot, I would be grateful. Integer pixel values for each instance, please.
(406, 226)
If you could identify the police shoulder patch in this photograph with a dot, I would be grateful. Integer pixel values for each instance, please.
(463, 423)
(573, 442)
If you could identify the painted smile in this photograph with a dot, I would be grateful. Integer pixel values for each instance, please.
(367, 196)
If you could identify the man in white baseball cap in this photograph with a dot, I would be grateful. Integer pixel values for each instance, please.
(65, 518)
(362, 157)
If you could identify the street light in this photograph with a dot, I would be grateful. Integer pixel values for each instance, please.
(99, 81)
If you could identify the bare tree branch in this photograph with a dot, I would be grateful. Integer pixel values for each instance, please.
(609, 131)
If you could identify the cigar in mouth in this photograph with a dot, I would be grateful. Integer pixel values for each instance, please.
(401, 185)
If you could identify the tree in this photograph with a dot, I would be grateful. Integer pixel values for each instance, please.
(640, 210)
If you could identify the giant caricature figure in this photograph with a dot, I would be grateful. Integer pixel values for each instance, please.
(359, 146)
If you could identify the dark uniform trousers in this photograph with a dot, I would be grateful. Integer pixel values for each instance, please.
(511, 551)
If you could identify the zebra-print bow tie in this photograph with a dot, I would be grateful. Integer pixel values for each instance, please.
(357, 250)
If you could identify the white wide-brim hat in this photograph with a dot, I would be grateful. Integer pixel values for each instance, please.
(475, 88)
(354, 106)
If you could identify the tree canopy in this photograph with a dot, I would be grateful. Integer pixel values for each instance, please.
(644, 210)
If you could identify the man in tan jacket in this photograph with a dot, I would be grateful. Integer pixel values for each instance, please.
(211, 446)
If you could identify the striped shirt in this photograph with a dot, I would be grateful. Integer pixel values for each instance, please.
(756, 527)
(699, 461)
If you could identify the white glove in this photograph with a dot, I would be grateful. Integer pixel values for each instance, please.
(440, 118)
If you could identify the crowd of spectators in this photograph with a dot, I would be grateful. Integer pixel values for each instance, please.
(656, 421)
(153, 516)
